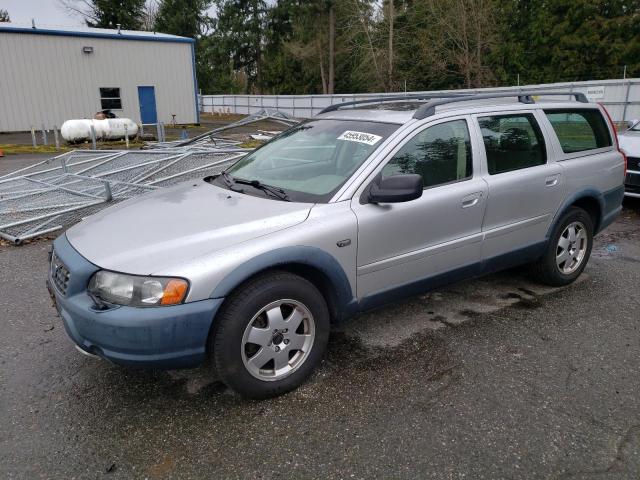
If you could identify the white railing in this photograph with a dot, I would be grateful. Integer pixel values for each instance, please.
(621, 97)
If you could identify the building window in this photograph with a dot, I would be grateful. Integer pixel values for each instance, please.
(110, 99)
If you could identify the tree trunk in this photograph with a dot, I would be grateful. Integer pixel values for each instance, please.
(323, 77)
(332, 48)
(259, 72)
(258, 46)
(390, 72)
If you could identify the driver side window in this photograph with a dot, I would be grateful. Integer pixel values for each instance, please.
(440, 154)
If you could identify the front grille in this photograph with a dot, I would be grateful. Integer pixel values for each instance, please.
(633, 179)
(59, 274)
(633, 163)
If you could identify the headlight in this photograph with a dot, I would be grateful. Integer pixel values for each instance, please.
(136, 291)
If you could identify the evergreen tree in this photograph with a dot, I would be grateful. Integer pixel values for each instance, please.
(285, 46)
(568, 40)
(240, 31)
(4, 16)
(129, 14)
(186, 18)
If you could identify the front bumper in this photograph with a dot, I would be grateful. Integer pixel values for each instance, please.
(155, 337)
(632, 183)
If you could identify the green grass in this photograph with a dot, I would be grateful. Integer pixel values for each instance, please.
(251, 144)
(13, 149)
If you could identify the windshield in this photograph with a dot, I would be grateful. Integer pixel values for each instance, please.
(311, 161)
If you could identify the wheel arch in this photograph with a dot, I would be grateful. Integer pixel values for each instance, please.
(590, 200)
(311, 263)
(593, 207)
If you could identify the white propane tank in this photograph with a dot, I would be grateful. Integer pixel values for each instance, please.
(108, 129)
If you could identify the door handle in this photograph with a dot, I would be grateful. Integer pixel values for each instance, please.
(471, 200)
(551, 181)
(470, 203)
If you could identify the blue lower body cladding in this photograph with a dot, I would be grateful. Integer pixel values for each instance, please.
(612, 206)
(157, 337)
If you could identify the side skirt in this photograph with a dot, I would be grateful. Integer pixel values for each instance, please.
(490, 265)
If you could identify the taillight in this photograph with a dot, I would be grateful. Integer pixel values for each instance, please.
(615, 135)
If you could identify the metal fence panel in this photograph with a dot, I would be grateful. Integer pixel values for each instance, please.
(621, 97)
(57, 192)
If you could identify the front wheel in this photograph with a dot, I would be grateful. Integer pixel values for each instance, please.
(271, 334)
(568, 250)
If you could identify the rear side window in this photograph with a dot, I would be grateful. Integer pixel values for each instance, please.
(579, 130)
(440, 154)
(512, 142)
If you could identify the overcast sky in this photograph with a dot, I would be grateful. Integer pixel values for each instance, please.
(44, 12)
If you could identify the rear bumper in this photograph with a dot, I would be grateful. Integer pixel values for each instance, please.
(155, 337)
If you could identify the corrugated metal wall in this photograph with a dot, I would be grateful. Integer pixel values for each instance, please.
(621, 97)
(48, 79)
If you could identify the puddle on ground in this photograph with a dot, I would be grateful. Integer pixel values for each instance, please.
(390, 326)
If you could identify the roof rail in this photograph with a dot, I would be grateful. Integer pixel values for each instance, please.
(429, 108)
(395, 98)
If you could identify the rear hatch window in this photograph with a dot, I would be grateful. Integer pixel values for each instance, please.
(579, 130)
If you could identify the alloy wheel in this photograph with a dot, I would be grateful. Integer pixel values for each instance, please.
(278, 340)
(571, 248)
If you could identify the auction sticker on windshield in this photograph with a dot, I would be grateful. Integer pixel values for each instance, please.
(360, 137)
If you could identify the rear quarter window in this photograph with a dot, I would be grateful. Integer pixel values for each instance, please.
(579, 130)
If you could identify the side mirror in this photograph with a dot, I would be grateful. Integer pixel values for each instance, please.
(396, 189)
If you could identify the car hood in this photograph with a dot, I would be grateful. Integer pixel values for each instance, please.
(630, 143)
(173, 225)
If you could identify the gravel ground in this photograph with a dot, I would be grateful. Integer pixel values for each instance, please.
(492, 378)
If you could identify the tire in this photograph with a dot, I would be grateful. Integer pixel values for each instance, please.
(261, 355)
(566, 257)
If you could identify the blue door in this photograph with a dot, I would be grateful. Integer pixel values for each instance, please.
(147, 100)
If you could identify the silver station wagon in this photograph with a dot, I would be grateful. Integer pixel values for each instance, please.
(364, 204)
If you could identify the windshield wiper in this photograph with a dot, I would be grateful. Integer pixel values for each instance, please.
(230, 182)
(275, 191)
(228, 179)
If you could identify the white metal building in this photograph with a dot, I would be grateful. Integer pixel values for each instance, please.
(48, 76)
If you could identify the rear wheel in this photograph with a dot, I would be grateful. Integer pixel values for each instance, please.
(568, 250)
(271, 335)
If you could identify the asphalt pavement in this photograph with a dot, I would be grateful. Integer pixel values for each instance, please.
(487, 379)
(11, 163)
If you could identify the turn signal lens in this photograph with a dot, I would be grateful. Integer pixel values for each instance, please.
(174, 292)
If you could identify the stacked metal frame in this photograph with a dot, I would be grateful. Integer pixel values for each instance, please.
(58, 192)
